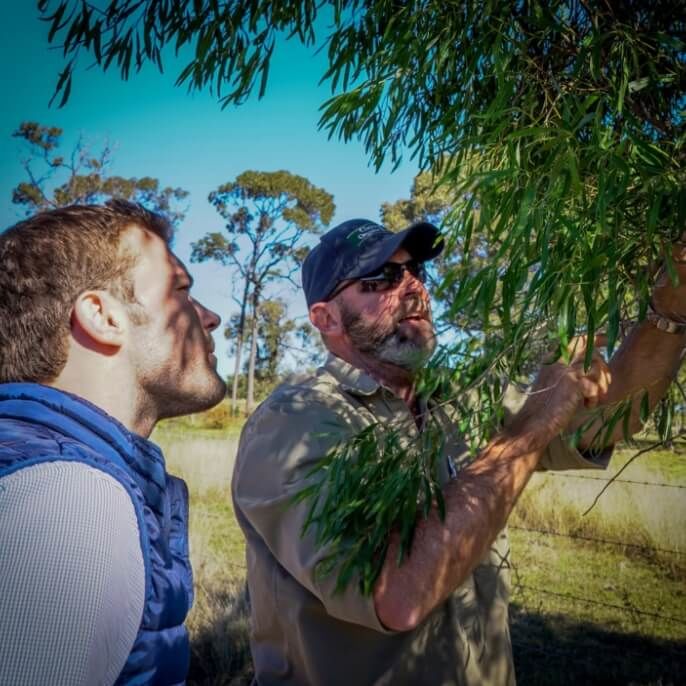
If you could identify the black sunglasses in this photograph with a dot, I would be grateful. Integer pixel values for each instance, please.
(384, 279)
(391, 274)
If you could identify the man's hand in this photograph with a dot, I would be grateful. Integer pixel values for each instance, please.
(647, 361)
(668, 300)
(560, 391)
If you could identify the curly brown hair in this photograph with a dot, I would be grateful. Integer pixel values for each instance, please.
(46, 262)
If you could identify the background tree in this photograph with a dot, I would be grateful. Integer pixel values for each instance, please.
(282, 345)
(55, 179)
(428, 201)
(267, 215)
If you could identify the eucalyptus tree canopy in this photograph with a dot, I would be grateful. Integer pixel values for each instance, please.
(266, 217)
(55, 178)
(562, 121)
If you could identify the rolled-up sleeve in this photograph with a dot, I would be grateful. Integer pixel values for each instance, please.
(279, 447)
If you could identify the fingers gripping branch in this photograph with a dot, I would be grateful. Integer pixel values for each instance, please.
(562, 389)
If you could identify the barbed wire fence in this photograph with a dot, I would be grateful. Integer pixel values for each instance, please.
(520, 590)
(562, 636)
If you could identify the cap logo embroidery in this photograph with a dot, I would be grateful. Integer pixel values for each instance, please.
(361, 233)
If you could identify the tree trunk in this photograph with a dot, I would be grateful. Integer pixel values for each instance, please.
(250, 395)
(239, 350)
(236, 373)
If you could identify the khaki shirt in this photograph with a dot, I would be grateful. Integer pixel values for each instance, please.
(301, 631)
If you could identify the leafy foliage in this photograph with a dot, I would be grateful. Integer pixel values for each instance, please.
(556, 133)
(82, 177)
(379, 460)
(557, 126)
(556, 129)
(232, 42)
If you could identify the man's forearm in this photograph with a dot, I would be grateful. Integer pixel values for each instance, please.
(647, 360)
(479, 501)
(444, 553)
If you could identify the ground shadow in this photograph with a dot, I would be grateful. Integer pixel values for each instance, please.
(554, 650)
(549, 650)
(220, 653)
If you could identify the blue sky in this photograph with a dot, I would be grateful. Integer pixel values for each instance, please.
(186, 140)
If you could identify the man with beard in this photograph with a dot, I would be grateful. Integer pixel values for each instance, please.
(441, 616)
(99, 339)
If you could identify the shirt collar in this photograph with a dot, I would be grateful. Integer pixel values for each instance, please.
(351, 379)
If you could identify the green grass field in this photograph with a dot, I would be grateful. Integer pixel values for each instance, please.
(583, 611)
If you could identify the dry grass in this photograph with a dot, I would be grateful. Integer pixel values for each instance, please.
(218, 622)
(637, 513)
(205, 463)
(597, 613)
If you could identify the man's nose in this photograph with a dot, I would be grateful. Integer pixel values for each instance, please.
(210, 320)
(410, 283)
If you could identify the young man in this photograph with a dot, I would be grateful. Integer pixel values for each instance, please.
(441, 617)
(99, 339)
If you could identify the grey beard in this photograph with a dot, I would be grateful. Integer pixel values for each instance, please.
(406, 354)
(388, 345)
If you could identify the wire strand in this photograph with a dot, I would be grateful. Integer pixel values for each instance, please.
(592, 539)
(588, 601)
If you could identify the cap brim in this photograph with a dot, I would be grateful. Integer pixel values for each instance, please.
(422, 240)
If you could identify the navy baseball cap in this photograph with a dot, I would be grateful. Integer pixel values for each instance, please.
(359, 247)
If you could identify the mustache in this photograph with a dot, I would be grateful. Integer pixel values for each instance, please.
(414, 306)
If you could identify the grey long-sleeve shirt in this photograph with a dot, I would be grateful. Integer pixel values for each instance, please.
(72, 578)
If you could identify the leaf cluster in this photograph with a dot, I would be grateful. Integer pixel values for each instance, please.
(366, 487)
(231, 42)
(386, 477)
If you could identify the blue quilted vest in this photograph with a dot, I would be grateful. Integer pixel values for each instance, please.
(41, 424)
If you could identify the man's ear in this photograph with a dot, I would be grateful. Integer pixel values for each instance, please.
(101, 317)
(326, 317)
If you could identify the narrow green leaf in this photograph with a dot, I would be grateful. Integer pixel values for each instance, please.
(644, 411)
(613, 314)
